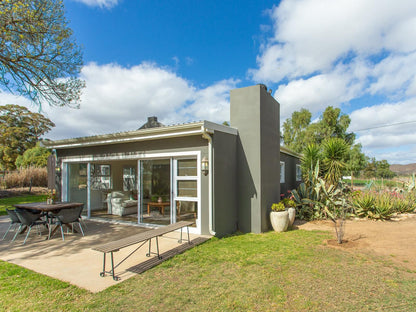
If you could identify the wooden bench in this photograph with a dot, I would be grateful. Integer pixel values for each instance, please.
(142, 238)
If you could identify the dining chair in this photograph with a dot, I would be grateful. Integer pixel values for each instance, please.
(14, 221)
(66, 217)
(30, 220)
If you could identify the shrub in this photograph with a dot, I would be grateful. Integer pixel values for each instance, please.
(363, 202)
(278, 207)
(382, 205)
(288, 202)
(383, 208)
(26, 177)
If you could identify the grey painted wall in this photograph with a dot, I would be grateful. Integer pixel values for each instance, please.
(290, 173)
(225, 183)
(255, 114)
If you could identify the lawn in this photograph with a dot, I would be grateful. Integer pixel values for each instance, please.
(8, 202)
(291, 271)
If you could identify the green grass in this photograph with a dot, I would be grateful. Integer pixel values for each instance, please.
(378, 183)
(290, 271)
(8, 202)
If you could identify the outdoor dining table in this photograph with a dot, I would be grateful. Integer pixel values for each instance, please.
(45, 207)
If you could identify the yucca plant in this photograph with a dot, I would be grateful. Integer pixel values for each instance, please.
(333, 152)
(310, 162)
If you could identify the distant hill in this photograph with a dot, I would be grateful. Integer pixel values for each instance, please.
(403, 169)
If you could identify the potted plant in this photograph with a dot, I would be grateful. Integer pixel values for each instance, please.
(290, 207)
(279, 217)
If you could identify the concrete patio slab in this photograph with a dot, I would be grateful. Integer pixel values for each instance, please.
(75, 262)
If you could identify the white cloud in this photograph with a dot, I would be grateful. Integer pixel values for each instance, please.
(108, 4)
(312, 35)
(326, 52)
(120, 99)
(393, 74)
(387, 131)
(211, 103)
(318, 92)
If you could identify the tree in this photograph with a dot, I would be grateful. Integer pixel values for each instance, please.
(378, 169)
(20, 130)
(298, 131)
(383, 170)
(39, 58)
(33, 157)
(356, 161)
(294, 130)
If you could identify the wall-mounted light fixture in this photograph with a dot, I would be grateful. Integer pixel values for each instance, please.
(204, 166)
(58, 170)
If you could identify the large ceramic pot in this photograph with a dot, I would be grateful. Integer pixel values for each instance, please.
(292, 214)
(279, 220)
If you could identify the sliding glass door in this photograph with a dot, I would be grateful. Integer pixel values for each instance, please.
(155, 190)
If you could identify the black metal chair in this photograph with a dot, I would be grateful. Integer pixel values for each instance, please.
(30, 220)
(66, 217)
(14, 221)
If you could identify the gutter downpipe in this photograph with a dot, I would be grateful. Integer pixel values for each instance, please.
(206, 134)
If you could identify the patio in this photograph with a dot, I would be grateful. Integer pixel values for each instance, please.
(75, 262)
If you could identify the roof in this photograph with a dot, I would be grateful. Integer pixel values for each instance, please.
(289, 152)
(181, 130)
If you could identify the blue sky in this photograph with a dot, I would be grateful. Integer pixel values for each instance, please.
(178, 60)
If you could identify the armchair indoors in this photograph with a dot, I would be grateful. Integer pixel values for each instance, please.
(119, 203)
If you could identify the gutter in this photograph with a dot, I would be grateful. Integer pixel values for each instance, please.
(206, 134)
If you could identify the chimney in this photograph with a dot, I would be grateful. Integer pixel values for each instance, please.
(151, 123)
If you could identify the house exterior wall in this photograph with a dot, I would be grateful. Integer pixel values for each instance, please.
(290, 173)
(224, 183)
(136, 150)
(255, 113)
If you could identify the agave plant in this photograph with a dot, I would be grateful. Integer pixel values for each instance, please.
(363, 202)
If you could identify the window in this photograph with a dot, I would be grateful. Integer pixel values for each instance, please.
(282, 172)
(298, 173)
(186, 178)
(186, 189)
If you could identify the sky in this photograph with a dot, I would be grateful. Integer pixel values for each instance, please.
(178, 60)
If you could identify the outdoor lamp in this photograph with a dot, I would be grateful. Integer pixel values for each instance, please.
(204, 166)
(58, 170)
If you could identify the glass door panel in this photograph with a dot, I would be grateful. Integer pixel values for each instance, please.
(155, 190)
(77, 183)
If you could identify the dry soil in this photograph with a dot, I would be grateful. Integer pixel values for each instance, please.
(395, 239)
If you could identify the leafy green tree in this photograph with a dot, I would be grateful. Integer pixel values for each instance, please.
(383, 170)
(356, 161)
(294, 129)
(20, 130)
(378, 169)
(39, 58)
(33, 157)
(298, 131)
(335, 124)
(371, 168)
